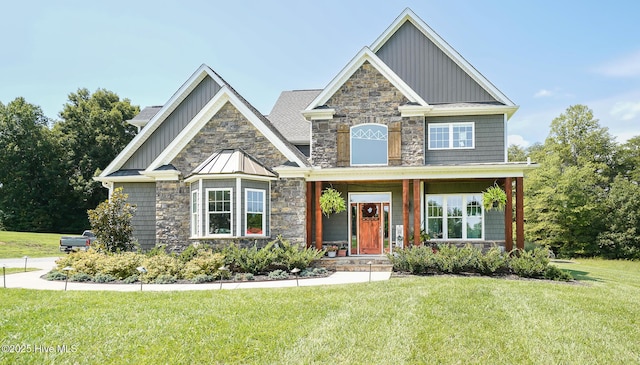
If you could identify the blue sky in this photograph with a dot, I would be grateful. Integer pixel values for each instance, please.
(544, 55)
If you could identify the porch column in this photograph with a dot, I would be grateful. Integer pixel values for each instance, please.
(405, 212)
(519, 213)
(508, 216)
(416, 212)
(309, 214)
(318, 222)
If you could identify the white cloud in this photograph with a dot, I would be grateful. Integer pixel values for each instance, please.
(517, 140)
(543, 93)
(626, 66)
(626, 110)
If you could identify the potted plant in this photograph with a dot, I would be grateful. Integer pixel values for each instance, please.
(331, 251)
(494, 197)
(342, 251)
(331, 201)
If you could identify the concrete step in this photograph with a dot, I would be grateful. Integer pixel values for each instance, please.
(356, 263)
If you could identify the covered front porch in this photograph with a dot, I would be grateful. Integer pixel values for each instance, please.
(384, 213)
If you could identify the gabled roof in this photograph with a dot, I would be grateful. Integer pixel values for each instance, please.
(232, 162)
(365, 55)
(226, 93)
(409, 16)
(286, 116)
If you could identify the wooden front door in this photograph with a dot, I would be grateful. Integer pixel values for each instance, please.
(369, 237)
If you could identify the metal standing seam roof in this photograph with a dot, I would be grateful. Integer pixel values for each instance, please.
(232, 162)
(286, 115)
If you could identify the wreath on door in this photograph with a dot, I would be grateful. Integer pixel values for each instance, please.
(369, 210)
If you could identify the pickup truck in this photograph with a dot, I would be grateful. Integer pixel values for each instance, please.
(76, 243)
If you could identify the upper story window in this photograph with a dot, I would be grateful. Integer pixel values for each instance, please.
(451, 135)
(369, 144)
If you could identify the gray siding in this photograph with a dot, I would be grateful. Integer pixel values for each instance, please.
(489, 141)
(143, 196)
(428, 70)
(173, 125)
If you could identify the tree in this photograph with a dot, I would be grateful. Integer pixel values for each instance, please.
(30, 181)
(622, 208)
(111, 223)
(517, 153)
(564, 198)
(92, 132)
(628, 159)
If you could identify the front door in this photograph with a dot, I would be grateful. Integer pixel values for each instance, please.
(370, 228)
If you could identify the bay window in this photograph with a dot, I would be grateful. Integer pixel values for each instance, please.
(219, 214)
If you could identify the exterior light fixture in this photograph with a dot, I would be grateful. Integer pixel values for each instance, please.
(25, 263)
(295, 272)
(222, 270)
(4, 274)
(66, 270)
(142, 271)
(370, 263)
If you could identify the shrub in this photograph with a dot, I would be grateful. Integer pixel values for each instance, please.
(111, 223)
(203, 263)
(56, 275)
(86, 262)
(553, 272)
(202, 278)
(252, 260)
(278, 275)
(120, 265)
(530, 264)
(414, 259)
(103, 278)
(493, 261)
(165, 279)
(161, 264)
(131, 279)
(80, 277)
(292, 255)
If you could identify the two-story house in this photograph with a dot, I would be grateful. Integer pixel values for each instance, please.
(408, 131)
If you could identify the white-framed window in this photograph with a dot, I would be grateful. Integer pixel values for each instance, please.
(369, 144)
(255, 217)
(219, 212)
(451, 135)
(455, 216)
(195, 209)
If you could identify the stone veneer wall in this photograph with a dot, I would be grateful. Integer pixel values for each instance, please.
(367, 97)
(228, 129)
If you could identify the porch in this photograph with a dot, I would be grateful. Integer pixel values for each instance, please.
(404, 212)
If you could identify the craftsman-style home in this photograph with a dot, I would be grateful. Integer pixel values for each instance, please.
(408, 131)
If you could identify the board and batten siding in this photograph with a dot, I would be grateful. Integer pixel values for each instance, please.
(428, 70)
(143, 196)
(489, 143)
(173, 124)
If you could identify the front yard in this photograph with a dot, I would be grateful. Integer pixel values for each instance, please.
(433, 319)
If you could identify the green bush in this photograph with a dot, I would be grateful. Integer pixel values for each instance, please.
(530, 264)
(111, 223)
(414, 259)
(165, 279)
(292, 256)
(120, 265)
(104, 278)
(131, 279)
(553, 272)
(56, 275)
(202, 278)
(202, 263)
(252, 260)
(80, 277)
(453, 260)
(278, 275)
(493, 262)
(86, 262)
(162, 264)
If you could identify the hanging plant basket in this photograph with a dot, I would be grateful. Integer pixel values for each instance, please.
(494, 198)
(331, 201)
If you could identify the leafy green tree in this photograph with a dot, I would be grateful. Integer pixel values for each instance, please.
(92, 132)
(628, 157)
(622, 208)
(564, 198)
(517, 153)
(111, 223)
(30, 181)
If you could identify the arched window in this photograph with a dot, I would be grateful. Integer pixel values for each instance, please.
(369, 144)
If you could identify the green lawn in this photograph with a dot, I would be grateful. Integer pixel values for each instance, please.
(14, 270)
(432, 320)
(19, 244)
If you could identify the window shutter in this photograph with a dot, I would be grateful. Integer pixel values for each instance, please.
(342, 140)
(395, 144)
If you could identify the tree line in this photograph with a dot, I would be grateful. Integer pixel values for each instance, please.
(47, 166)
(584, 199)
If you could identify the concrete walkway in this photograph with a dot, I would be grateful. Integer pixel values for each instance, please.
(32, 280)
